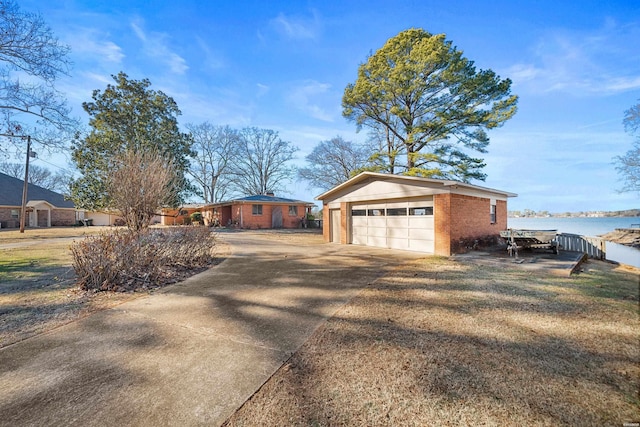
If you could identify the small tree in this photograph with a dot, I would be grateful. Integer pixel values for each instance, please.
(40, 176)
(628, 165)
(31, 105)
(140, 184)
(261, 162)
(213, 148)
(333, 162)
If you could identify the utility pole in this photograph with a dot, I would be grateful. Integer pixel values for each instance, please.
(25, 186)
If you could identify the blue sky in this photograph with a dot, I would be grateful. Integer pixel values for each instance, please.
(283, 65)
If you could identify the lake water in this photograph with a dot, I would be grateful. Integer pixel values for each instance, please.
(587, 227)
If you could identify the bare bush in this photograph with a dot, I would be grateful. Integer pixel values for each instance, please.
(140, 185)
(125, 260)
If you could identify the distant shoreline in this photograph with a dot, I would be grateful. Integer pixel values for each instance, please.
(527, 213)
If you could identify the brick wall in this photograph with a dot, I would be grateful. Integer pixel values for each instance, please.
(7, 220)
(442, 224)
(62, 217)
(326, 224)
(458, 218)
(249, 220)
(344, 223)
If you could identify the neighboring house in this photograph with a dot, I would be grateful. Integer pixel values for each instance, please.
(412, 213)
(44, 208)
(179, 216)
(102, 218)
(261, 211)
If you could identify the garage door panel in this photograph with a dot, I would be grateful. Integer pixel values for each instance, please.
(400, 232)
(359, 229)
(359, 221)
(421, 245)
(379, 241)
(421, 222)
(422, 234)
(377, 222)
(397, 221)
(377, 231)
(402, 244)
(359, 240)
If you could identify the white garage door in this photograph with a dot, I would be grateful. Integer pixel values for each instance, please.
(404, 225)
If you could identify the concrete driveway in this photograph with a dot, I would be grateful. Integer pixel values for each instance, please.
(192, 353)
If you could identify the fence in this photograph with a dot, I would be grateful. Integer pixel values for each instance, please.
(594, 247)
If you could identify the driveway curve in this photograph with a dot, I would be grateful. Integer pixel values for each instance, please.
(192, 353)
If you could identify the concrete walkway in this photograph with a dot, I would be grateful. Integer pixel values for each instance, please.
(194, 352)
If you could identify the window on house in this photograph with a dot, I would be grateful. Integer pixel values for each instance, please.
(493, 214)
(397, 212)
(375, 212)
(15, 213)
(358, 212)
(256, 210)
(427, 210)
(293, 210)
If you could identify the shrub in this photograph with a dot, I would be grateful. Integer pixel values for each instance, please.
(474, 243)
(196, 217)
(125, 260)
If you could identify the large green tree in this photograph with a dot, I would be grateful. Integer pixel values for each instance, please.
(432, 100)
(127, 116)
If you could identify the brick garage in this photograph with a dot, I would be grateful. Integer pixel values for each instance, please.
(411, 213)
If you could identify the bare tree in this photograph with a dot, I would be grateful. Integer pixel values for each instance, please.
(30, 105)
(628, 165)
(38, 175)
(139, 185)
(214, 147)
(333, 162)
(261, 163)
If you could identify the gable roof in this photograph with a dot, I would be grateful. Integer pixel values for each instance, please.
(437, 184)
(11, 193)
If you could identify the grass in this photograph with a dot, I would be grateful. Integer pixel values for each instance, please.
(14, 235)
(440, 342)
(38, 290)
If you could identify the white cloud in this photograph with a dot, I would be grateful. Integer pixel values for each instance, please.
(90, 43)
(155, 45)
(262, 89)
(213, 60)
(305, 97)
(601, 61)
(295, 27)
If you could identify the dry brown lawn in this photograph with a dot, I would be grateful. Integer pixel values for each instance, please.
(14, 235)
(38, 290)
(441, 342)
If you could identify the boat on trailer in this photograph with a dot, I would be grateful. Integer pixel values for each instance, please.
(518, 238)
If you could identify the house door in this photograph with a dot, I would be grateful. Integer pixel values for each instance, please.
(276, 217)
(334, 224)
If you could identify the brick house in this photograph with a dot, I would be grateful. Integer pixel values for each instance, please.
(256, 212)
(44, 208)
(412, 213)
(180, 216)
